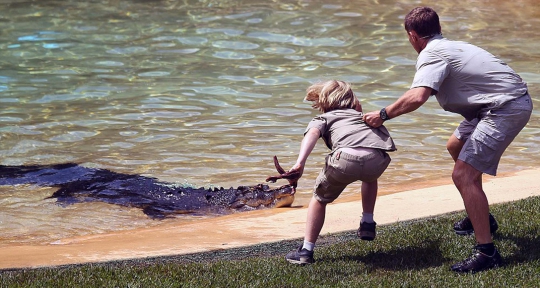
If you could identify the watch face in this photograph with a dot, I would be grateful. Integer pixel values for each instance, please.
(383, 114)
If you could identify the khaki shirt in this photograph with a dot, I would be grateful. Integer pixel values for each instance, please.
(345, 128)
(467, 79)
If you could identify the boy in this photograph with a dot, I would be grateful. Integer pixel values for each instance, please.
(358, 152)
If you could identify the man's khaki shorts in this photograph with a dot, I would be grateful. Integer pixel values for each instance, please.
(487, 138)
(341, 169)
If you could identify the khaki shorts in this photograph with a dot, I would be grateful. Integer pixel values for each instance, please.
(487, 138)
(341, 169)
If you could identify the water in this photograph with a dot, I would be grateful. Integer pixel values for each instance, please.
(206, 92)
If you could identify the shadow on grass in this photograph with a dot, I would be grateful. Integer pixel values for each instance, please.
(426, 255)
(518, 240)
(528, 248)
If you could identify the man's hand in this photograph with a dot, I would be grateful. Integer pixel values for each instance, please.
(373, 119)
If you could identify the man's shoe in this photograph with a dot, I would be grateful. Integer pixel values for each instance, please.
(464, 226)
(300, 256)
(478, 262)
(367, 231)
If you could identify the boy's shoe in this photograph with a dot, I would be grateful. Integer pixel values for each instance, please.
(478, 262)
(300, 256)
(464, 226)
(367, 231)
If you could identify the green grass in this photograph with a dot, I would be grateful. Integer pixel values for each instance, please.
(407, 254)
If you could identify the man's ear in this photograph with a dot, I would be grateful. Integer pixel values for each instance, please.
(413, 35)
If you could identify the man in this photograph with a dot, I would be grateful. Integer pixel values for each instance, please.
(496, 106)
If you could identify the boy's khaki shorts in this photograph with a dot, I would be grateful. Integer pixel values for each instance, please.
(341, 169)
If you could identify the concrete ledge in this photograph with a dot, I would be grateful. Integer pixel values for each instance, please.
(257, 226)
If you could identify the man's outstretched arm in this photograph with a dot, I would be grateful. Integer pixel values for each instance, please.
(408, 102)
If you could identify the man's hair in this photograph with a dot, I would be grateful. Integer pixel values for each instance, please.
(424, 21)
(331, 95)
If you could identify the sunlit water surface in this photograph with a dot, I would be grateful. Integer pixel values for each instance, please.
(206, 92)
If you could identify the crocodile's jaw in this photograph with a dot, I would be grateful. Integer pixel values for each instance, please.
(284, 196)
(285, 201)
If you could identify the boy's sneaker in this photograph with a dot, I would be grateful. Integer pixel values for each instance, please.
(300, 256)
(478, 262)
(464, 226)
(367, 231)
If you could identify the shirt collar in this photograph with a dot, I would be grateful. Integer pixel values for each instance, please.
(434, 40)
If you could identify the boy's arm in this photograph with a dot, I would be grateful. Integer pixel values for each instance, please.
(308, 143)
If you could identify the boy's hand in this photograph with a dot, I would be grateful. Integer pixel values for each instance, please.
(292, 176)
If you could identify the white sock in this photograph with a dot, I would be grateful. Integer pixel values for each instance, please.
(308, 245)
(367, 217)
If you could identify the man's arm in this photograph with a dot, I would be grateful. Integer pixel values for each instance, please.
(408, 102)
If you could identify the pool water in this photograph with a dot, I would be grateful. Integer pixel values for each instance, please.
(205, 93)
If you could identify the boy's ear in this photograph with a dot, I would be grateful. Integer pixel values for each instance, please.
(358, 107)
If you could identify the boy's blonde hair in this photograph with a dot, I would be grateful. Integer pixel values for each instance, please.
(331, 95)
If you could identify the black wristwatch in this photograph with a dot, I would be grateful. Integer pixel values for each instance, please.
(383, 115)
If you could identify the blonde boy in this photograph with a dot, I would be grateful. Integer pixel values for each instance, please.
(358, 152)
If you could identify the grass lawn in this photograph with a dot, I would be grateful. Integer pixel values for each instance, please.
(406, 254)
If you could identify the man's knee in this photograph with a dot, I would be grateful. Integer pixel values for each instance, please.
(464, 174)
(457, 177)
(454, 146)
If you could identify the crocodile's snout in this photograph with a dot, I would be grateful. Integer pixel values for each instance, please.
(285, 196)
(285, 201)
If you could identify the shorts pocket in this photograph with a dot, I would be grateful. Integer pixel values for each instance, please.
(490, 136)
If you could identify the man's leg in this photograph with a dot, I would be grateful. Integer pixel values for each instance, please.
(464, 226)
(468, 181)
(466, 178)
(454, 146)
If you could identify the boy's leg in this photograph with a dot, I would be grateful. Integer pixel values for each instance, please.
(367, 230)
(315, 220)
(314, 223)
(369, 196)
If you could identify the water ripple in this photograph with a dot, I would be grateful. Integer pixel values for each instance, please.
(221, 90)
(233, 55)
(127, 50)
(73, 136)
(171, 90)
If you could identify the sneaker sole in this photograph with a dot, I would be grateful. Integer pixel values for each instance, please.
(299, 262)
(367, 237)
(468, 232)
(494, 266)
(464, 232)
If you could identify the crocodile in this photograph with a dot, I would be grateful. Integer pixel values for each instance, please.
(157, 199)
